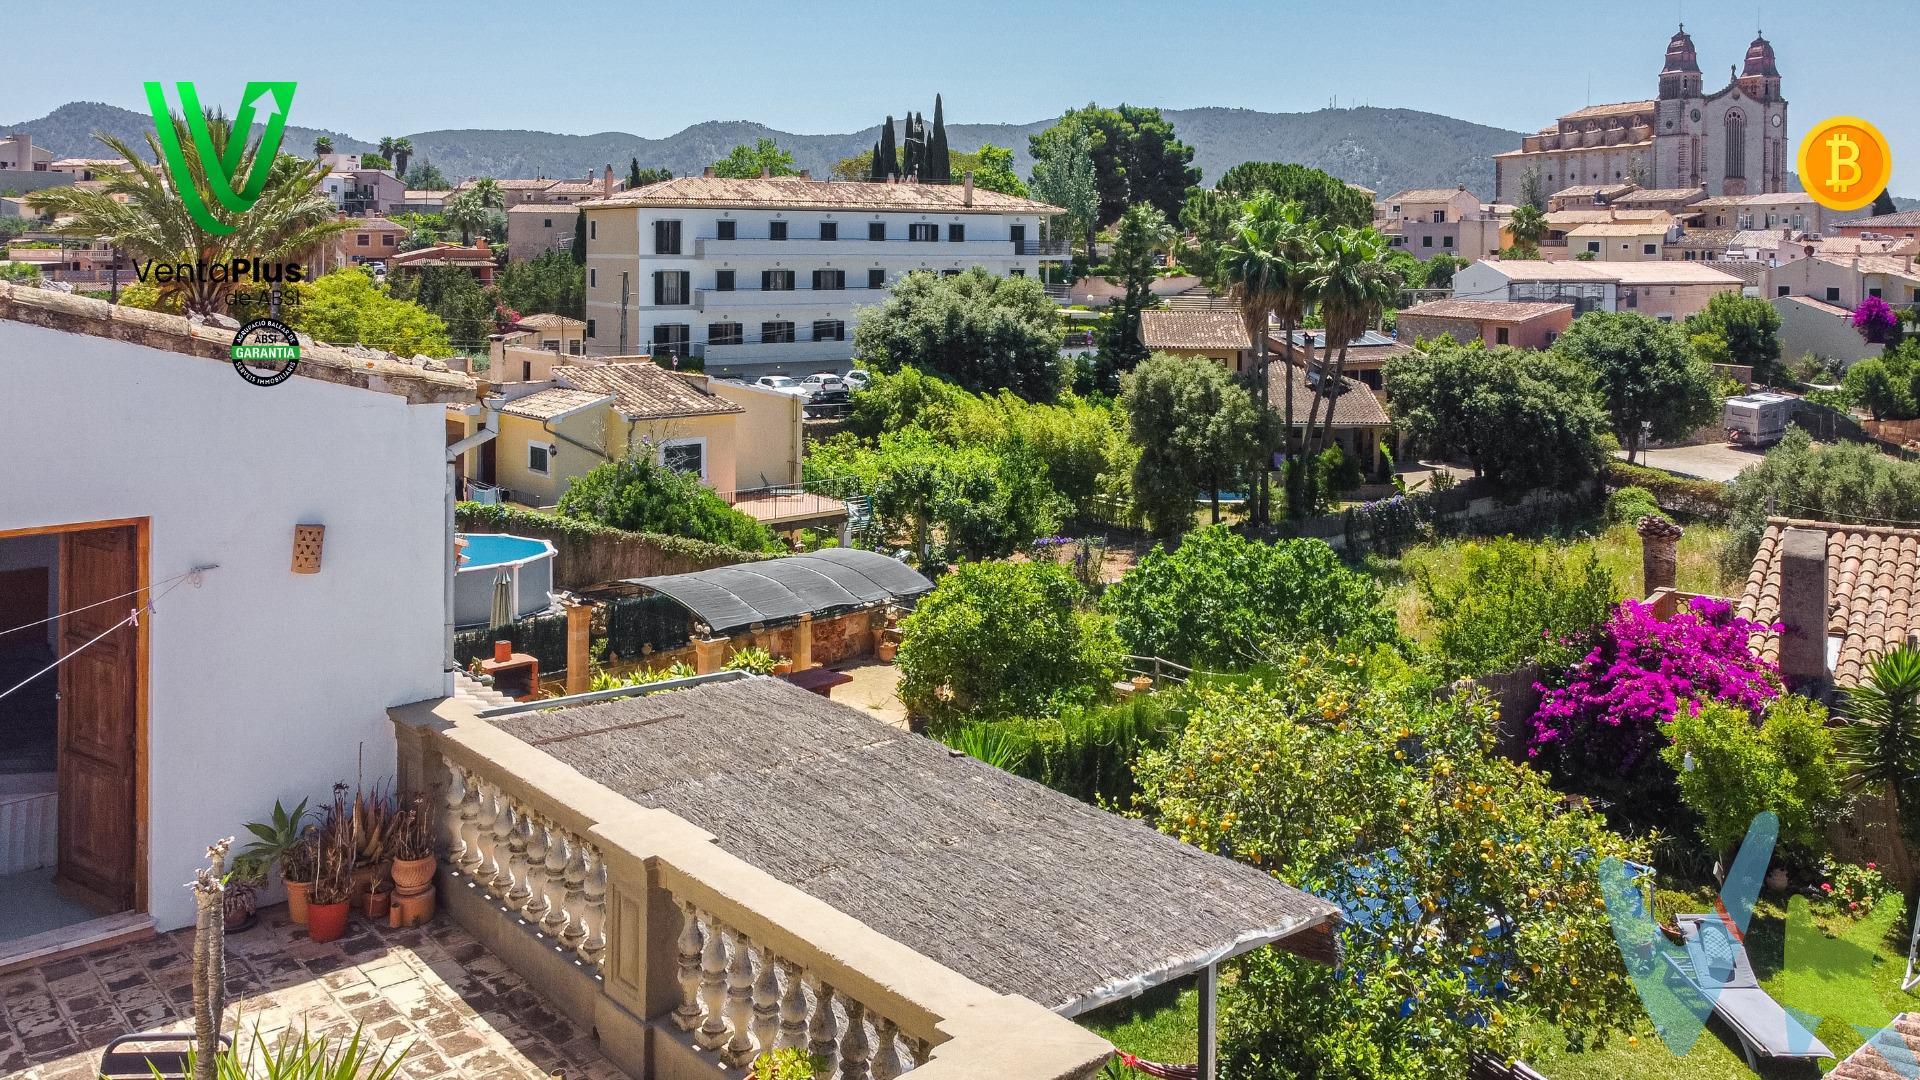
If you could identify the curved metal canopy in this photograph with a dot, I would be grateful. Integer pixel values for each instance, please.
(729, 597)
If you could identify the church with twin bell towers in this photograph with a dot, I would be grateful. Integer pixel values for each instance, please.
(1732, 141)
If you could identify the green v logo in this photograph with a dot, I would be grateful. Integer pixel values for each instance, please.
(269, 98)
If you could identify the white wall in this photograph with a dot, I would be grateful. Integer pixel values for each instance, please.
(264, 683)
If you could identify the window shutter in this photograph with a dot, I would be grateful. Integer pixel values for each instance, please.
(659, 288)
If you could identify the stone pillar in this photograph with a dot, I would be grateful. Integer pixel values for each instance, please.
(579, 633)
(1659, 553)
(709, 655)
(803, 642)
(1804, 596)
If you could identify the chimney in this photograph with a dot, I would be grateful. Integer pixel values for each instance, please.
(606, 181)
(1803, 606)
(1659, 552)
(806, 174)
(766, 172)
(966, 192)
(707, 172)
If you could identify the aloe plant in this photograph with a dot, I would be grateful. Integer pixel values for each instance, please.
(275, 837)
(305, 1057)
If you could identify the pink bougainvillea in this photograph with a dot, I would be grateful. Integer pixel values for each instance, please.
(1874, 320)
(1609, 708)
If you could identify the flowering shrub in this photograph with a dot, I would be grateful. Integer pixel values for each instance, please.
(1874, 320)
(1611, 708)
(1852, 889)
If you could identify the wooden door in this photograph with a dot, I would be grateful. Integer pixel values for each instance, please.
(487, 451)
(98, 726)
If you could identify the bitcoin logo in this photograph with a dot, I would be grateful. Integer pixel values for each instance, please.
(1844, 163)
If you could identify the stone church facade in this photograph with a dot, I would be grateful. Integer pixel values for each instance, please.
(1733, 141)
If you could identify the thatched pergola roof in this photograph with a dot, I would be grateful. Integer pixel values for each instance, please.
(1019, 887)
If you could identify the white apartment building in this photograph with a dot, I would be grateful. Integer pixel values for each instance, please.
(767, 276)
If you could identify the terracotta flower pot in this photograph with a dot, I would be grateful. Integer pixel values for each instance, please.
(377, 903)
(886, 651)
(1777, 880)
(411, 874)
(327, 922)
(1142, 682)
(297, 900)
(783, 667)
(363, 879)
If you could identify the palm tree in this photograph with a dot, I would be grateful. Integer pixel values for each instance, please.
(1259, 263)
(137, 211)
(402, 153)
(1880, 747)
(487, 191)
(386, 147)
(1354, 286)
(1528, 227)
(467, 213)
(322, 145)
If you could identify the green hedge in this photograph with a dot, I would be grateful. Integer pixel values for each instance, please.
(1675, 494)
(493, 517)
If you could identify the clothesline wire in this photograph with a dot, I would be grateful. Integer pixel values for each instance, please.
(133, 618)
(1857, 518)
(108, 600)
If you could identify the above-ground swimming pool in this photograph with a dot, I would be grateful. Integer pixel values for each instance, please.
(527, 563)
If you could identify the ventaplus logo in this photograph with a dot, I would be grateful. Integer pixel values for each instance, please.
(260, 101)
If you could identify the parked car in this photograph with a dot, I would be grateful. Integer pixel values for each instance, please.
(857, 379)
(785, 384)
(828, 388)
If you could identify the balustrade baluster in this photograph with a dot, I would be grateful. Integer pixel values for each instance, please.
(822, 1038)
(502, 861)
(739, 1050)
(560, 846)
(575, 930)
(455, 799)
(519, 839)
(593, 894)
(921, 1050)
(536, 880)
(886, 1056)
(856, 1051)
(687, 1016)
(793, 1010)
(476, 824)
(713, 988)
(766, 1001)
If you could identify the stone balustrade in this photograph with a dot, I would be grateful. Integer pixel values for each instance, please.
(686, 961)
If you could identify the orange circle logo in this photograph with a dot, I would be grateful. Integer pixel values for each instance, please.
(1845, 163)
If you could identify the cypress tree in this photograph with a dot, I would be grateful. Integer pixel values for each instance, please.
(939, 165)
(916, 163)
(633, 174)
(580, 238)
(887, 163)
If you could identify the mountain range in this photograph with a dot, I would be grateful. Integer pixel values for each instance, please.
(1387, 150)
(1383, 149)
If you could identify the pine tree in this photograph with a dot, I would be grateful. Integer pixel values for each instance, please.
(888, 162)
(939, 165)
(1883, 204)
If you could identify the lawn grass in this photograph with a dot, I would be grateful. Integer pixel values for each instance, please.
(1618, 549)
(1850, 977)
(1162, 1024)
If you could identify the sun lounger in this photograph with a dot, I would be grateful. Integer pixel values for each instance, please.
(1716, 964)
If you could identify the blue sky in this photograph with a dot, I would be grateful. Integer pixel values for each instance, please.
(836, 65)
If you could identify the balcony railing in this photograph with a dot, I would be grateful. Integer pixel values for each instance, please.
(854, 246)
(587, 889)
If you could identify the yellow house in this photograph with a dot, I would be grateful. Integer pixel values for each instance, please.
(744, 442)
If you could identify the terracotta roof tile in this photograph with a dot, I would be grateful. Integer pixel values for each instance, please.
(645, 390)
(1193, 330)
(1355, 406)
(1871, 578)
(1498, 310)
(551, 402)
(1659, 195)
(1587, 190)
(1424, 195)
(1623, 108)
(792, 192)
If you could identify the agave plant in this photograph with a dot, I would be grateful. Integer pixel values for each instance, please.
(752, 659)
(334, 852)
(1880, 746)
(412, 832)
(306, 1057)
(373, 814)
(275, 836)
